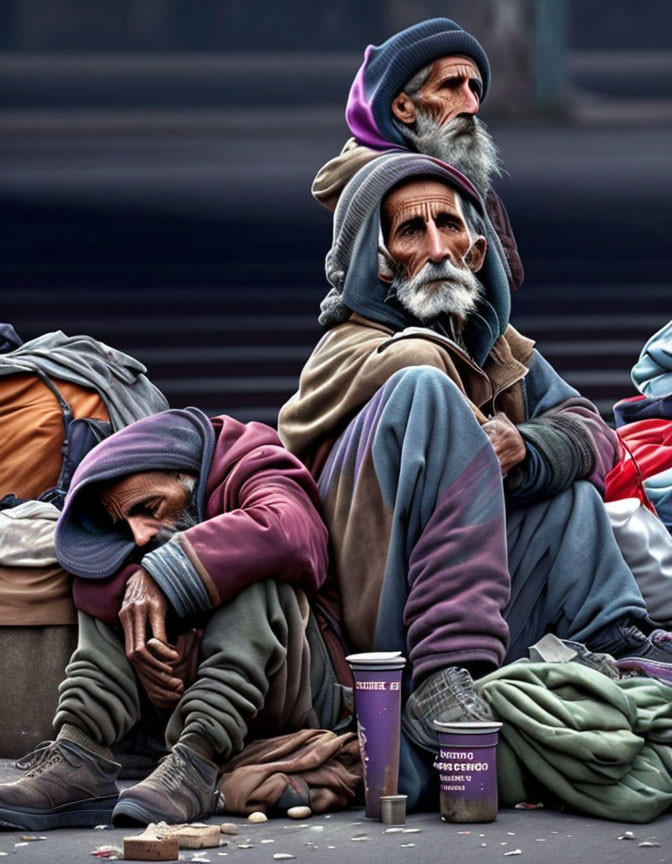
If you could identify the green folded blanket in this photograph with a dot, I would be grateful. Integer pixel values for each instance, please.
(604, 747)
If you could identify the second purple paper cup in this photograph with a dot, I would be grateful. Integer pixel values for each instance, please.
(467, 768)
(377, 677)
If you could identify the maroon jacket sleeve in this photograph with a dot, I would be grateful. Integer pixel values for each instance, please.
(263, 522)
(101, 598)
(267, 525)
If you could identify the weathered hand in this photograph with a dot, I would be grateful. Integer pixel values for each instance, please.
(162, 691)
(187, 647)
(506, 440)
(143, 604)
(164, 688)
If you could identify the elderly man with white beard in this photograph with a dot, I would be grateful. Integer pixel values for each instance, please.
(421, 90)
(460, 476)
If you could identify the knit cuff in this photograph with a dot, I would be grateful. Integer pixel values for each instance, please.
(177, 577)
(565, 446)
(579, 438)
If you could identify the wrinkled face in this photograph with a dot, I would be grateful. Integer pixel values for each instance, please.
(454, 87)
(422, 222)
(148, 502)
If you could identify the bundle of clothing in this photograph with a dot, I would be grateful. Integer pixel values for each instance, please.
(312, 767)
(573, 736)
(59, 396)
(638, 492)
(644, 426)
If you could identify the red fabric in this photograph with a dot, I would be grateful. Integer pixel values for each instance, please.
(500, 221)
(645, 450)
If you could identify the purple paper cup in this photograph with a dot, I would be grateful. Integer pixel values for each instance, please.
(467, 768)
(377, 678)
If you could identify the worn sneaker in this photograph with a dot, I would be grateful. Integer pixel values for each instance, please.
(625, 639)
(181, 789)
(66, 786)
(449, 696)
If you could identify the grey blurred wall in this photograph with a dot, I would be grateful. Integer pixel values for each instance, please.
(339, 25)
(527, 40)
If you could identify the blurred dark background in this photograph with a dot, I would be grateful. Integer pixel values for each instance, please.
(156, 159)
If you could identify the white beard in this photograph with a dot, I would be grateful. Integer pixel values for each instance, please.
(457, 294)
(463, 143)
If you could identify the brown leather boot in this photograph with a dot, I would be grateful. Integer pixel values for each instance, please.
(181, 789)
(66, 785)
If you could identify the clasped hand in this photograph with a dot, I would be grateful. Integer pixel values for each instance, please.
(506, 440)
(163, 669)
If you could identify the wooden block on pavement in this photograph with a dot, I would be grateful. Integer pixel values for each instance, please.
(149, 847)
(195, 836)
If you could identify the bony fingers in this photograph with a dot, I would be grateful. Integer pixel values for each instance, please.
(164, 700)
(170, 685)
(161, 649)
(145, 658)
(161, 682)
(166, 676)
(170, 694)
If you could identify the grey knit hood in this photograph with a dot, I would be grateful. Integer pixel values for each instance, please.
(352, 264)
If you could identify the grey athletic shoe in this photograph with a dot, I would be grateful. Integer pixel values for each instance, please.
(626, 639)
(66, 786)
(180, 789)
(449, 696)
(637, 652)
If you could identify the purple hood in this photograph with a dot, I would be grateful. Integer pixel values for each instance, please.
(387, 68)
(87, 544)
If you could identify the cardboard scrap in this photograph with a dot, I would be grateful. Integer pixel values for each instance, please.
(148, 847)
(194, 836)
(161, 842)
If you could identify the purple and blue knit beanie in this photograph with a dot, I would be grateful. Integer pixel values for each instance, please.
(387, 68)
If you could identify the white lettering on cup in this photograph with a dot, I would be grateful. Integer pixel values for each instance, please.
(462, 767)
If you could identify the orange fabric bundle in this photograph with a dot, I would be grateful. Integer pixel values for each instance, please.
(32, 431)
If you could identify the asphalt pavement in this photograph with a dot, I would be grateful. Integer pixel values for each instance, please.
(348, 837)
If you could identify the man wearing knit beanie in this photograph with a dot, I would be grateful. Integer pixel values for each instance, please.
(421, 91)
